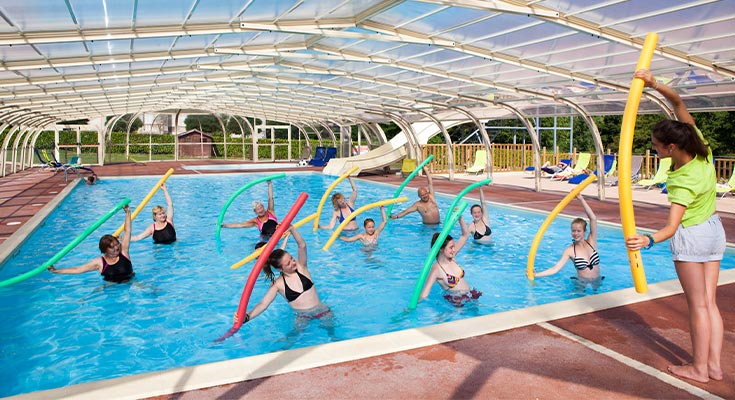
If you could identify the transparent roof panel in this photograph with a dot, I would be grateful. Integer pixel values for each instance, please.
(100, 55)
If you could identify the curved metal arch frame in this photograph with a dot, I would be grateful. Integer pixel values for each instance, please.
(26, 153)
(447, 138)
(316, 132)
(597, 139)
(485, 138)
(239, 125)
(331, 132)
(16, 122)
(413, 142)
(26, 121)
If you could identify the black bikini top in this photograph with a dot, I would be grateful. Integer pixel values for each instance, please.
(292, 295)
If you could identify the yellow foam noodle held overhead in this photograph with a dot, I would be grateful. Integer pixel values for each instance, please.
(145, 200)
(257, 251)
(625, 150)
(327, 192)
(540, 234)
(356, 213)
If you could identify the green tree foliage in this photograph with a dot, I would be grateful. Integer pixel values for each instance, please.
(390, 129)
(205, 123)
(122, 124)
(719, 129)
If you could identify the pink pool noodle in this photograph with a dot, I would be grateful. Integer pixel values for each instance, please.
(272, 242)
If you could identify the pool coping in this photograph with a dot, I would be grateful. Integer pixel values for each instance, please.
(10, 245)
(264, 365)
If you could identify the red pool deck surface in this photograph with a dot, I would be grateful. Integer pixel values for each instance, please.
(617, 353)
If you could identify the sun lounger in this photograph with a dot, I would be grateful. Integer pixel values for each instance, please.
(729, 187)
(479, 164)
(664, 164)
(609, 164)
(635, 171)
(583, 160)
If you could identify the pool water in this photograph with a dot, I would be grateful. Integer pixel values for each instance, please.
(70, 329)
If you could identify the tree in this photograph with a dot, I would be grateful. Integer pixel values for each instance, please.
(122, 124)
(205, 123)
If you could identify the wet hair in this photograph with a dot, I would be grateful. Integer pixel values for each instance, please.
(106, 242)
(274, 261)
(683, 135)
(260, 244)
(335, 198)
(475, 205)
(268, 228)
(364, 224)
(446, 241)
(156, 210)
(581, 222)
(90, 179)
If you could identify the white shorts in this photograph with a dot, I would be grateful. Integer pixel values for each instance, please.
(699, 243)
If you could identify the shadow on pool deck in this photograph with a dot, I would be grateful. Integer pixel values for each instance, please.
(618, 353)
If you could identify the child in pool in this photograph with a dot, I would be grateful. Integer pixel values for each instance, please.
(370, 236)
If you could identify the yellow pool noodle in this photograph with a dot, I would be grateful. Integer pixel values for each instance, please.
(257, 251)
(327, 192)
(356, 213)
(625, 150)
(540, 234)
(145, 200)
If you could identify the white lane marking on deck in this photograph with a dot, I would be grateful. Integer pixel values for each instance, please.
(646, 369)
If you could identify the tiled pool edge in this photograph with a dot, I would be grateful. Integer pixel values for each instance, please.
(9, 246)
(232, 371)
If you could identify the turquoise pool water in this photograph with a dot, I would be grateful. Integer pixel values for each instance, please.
(69, 329)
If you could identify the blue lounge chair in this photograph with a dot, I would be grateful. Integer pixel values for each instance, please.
(328, 154)
(331, 153)
(551, 169)
(319, 155)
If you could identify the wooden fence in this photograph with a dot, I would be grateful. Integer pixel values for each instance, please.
(518, 157)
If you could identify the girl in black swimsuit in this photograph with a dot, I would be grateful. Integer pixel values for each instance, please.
(480, 226)
(295, 283)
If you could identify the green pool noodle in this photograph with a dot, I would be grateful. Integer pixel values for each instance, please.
(453, 218)
(464, 192)
(238, 192)
(398, 191)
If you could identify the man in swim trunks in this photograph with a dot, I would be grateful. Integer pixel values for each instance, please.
(426, 206)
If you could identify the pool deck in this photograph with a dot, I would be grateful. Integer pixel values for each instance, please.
(614, 353)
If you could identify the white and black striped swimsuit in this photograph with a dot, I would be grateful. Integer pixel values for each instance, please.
(580, 263)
